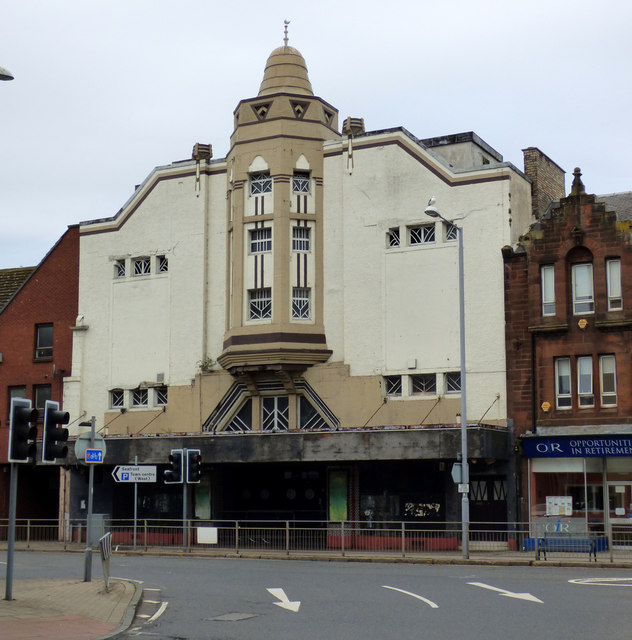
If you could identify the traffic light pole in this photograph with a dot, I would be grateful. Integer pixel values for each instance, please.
(13, 499)
(185, 486)
(87, 573)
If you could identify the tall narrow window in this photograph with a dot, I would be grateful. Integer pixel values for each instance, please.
(301, 239)
(300, 303)
(563, 396)
(261, 240)
(119, 268)
(451, 231)
(392, 237)
(583, 300)
(259, 303)
(613, 281)
(117, 398)
(547, 277)
(585, 381)
(608, 375)
(42, 394)
(43, 341)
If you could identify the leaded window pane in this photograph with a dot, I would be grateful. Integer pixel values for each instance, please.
(393, 385)
(300, 182)
(422, 234)
(142, 266)
(260, 183)
(424, 383)
(300, 302)
(453, 382)
(275, 413)
(260, 303)
(301, 238)
(261, 240)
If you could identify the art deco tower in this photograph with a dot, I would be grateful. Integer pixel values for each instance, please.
(275, 215)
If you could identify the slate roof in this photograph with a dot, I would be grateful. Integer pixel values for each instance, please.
(10, 281)
(619, 202)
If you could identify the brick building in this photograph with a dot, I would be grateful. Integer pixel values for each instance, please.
(36, 348)
(568, 287)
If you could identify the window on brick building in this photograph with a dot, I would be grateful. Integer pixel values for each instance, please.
(585, 393)
(41, 393)
(608, 380)
(43, 341)
(547, 278)
(582, 286)
(563, 397)
(613, 283)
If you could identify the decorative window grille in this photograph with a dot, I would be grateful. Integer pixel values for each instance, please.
(547, 278)
(139, 398)
(453, 382)
(585, 381)
(242, 420)
(261, 240)
(43, 341)
(422, 234)
(161, 396)
(141, 266)
(451, 232)
(392, 237)
(275, 413)
(608, 370)
(563, 397)
(119, 269)
(301, 239)
(259, 303)
(260, 183)
(424, 383)
(162, 263)
(308, 417)
(300, 302)
(583, 300)
(478, 490)
(117, 398)
(300, 182)
(393, 385)
(500, 490)
(613, 281)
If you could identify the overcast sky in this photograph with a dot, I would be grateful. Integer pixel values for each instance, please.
(106, 90)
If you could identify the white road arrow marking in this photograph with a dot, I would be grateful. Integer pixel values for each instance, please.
(508, 594)
(413, 595)
(285, 602)
(604, 582)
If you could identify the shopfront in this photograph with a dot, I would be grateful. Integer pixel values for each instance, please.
(579, 484)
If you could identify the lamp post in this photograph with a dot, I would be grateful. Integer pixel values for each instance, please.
(464, 485)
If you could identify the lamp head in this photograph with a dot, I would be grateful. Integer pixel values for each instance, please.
(430, 210)
(5, 74)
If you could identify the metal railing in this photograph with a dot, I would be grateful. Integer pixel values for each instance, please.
(349, 538)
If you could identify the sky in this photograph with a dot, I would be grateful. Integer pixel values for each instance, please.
(104, 91)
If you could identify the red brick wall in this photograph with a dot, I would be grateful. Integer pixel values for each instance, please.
(49, 296)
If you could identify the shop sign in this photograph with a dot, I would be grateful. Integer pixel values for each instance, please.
(577, 447)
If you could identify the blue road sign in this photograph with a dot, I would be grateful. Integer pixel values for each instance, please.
(94, 456)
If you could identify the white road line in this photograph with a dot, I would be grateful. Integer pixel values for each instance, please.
(508, 594)
(158, 613)
(413, 595)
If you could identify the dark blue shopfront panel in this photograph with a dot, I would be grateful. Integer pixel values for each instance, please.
(578, 447)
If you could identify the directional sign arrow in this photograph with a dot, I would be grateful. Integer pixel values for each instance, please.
(284, 600)
(508, 594)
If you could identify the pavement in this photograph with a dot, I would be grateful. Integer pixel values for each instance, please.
(70, 609)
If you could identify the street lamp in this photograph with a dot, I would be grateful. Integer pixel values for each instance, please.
(464, 487)
(5, 74)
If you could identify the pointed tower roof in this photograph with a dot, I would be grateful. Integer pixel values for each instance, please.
(286, 72)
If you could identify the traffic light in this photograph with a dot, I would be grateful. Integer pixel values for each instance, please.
(22, 435)
(173, 475)
(54, 437)
(194, 466)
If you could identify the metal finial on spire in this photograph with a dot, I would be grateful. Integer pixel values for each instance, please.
(285, 37)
